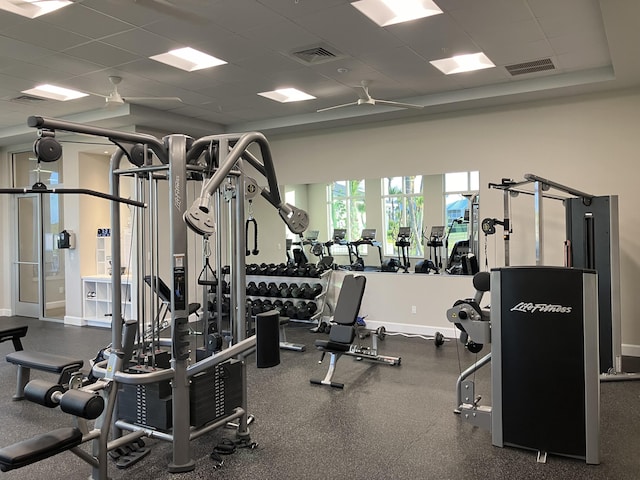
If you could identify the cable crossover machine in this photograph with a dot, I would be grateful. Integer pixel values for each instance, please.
(138, 363)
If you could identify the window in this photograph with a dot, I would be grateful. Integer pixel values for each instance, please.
(403, 206)
(346, 209)
(458, 189)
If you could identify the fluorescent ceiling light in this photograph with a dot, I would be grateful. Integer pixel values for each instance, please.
(188, 59)
(53, 92)
(390, 12)
(463, 63)
(286, 95)
(32, 8)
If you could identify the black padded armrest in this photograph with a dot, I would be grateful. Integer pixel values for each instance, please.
(39, 447)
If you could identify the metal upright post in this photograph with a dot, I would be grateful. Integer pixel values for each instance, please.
(506, 226)
(539, 225)
(182, 461)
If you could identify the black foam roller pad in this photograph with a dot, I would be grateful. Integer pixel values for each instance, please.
(268, 339)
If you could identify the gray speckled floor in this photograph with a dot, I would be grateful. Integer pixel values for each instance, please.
(388, 422)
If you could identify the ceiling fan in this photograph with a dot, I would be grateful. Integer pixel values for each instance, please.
(366, 99)
(114, 99)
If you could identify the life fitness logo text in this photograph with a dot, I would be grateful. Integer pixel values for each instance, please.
(528, 307)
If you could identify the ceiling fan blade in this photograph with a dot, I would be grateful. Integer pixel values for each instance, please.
(398, 104)
(338, 106)
(152, 99)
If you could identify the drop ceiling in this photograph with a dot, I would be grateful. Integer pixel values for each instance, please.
(590, 45)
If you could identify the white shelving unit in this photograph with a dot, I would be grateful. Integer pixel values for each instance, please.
(103, 255)
(97, 297)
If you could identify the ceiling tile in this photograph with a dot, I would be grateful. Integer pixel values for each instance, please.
(85, 21)
(434, 37)
(44, 35)
(102, 54)
(12, 48)
(141, 42)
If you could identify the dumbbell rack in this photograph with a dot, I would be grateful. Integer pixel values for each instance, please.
(320, 299)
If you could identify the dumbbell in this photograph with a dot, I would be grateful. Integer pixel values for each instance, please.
(291, 288)
(278, 305)
(314, 291)
(256, 307)
(262, 289)
(267, 306)
(292, 271)
(262, 269)
(298, 291)
(274, 291)
(302, 271)
(272, 269)
(290, 309)
(303, 311)
(312, 270)
(252, 269)
(252, 289)
(281, 269)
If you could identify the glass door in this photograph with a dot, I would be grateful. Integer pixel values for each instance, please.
(40, 265)
(28, 259)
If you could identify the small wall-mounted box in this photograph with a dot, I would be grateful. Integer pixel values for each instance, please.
(66, 239)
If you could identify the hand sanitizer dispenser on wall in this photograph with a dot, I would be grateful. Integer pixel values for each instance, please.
(66, 239)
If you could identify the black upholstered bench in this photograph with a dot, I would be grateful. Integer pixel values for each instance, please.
(13, 333)
(39, 447)
(46, 362)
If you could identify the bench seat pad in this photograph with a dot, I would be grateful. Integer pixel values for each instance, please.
(43, 361)
(39, 447)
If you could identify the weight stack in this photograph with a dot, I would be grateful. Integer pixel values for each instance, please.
(215, 393)
(544, 360)
(146, 405)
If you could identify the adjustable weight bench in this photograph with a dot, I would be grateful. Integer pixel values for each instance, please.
(343, 331)
(13, 333)
(46, 362)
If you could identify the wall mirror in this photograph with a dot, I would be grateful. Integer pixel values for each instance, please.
(419, 203)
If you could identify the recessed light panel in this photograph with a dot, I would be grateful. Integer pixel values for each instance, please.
(188, 59)
(286, 95)
(463, 63)
(32, 8)
(54, 92)
(390, 12)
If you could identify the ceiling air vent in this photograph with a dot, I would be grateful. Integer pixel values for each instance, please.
(28, 99)
(530, 67)
(315, 55)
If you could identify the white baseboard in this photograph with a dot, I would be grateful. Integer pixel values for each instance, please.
(77, 321)
(631, 350)
(5, 312)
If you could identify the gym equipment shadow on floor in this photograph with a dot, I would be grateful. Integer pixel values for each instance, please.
(388, 423)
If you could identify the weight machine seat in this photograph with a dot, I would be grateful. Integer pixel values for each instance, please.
(164, 293)
(46, 362)
(39, 447)
(14, 333)
(345, 315)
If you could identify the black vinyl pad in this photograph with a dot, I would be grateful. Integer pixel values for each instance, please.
(39, 447)
(43, 361)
